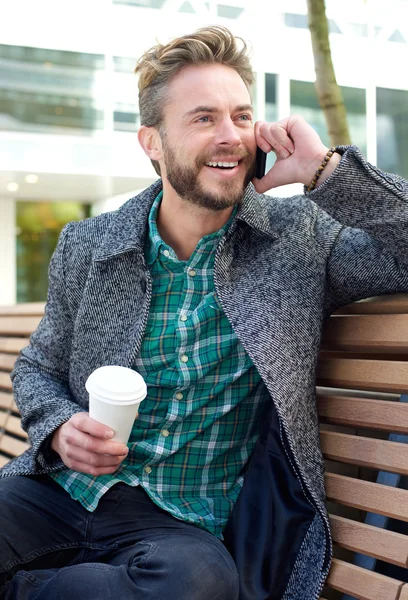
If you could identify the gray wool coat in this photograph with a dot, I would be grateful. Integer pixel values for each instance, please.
(282, 268)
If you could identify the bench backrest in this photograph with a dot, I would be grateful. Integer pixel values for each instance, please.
(16, 325)
(363, 370)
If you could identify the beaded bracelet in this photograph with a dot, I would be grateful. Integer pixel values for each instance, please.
(320, 169)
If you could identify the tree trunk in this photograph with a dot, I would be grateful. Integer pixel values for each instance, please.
(328, 91)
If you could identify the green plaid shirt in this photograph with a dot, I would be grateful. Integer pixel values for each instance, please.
(199, 423)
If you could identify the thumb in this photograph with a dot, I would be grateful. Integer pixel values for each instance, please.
(280, 174)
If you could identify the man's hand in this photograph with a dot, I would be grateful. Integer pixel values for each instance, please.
(83, 445)
(299, 152)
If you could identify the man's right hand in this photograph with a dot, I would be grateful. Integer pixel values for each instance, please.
(84, 445)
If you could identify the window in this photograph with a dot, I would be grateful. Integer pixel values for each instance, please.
(270, 97)
(42, 89)
(229, 12)
(142, 3)
(304, 101)
(392, 130)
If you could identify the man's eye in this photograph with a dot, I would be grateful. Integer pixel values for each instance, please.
(245, 117)
(204, 119)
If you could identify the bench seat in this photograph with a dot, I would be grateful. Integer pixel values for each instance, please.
(362, 373)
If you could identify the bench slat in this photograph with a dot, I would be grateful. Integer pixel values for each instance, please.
(3, 460)
(6, 400)
(362, 583)
(373, 541)
(13, 425)
(354, 374)
(3, 418)
(384, 415)
(18, 325)
(404, 592)
(364, 451)
(364, 495)
(5, 381)
(367, 333)
(13, 345)
(7, 362)
(390, 304)
(28, 309)
(12, 445)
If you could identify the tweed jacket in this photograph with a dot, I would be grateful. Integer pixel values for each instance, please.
(282, 268)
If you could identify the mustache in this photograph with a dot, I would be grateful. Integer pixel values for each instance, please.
(220, 154)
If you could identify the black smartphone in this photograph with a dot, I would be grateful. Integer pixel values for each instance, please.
(260, 163)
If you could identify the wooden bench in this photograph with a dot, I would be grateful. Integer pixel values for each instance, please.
(363, 371)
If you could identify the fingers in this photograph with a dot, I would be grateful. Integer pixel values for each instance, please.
(93, 445)
(93, 464)
(274, 136)
(83, 422)
(85, 452)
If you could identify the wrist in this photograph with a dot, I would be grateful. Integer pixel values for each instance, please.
(329, 169)
(324, 168)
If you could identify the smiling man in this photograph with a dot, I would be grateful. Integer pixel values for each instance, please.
(216, 295)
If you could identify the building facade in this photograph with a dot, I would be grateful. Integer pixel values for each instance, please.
(69, 111)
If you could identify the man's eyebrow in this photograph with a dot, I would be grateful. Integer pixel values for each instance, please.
(212, 109)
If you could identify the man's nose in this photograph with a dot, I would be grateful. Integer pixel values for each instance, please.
(227, 133)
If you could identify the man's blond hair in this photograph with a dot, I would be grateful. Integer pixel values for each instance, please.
(158, 66)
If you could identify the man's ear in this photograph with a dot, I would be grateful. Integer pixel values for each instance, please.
(150, 141)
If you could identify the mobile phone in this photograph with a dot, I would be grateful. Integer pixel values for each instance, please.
(260, 163)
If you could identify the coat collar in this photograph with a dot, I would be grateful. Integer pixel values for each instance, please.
(129, 224)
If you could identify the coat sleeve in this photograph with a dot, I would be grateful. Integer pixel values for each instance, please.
(368, 212)
(41, 373)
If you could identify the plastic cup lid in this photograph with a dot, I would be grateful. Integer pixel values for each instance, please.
(117, 383)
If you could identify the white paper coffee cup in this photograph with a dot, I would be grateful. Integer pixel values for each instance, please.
(114, 397)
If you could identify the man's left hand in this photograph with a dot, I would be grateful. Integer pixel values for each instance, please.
(299, 152)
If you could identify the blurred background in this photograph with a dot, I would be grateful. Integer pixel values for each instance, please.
(69, 110)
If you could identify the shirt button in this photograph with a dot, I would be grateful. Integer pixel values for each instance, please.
(148, 469)
(179, 396)
(183, 318)
(192, 273)
(184, 358)
(166, 253)
(165, 432)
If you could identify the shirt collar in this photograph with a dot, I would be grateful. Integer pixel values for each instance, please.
(155, 244)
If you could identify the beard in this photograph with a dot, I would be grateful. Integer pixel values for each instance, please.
(185, 180)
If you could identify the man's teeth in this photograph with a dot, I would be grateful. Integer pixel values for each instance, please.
(221, 164)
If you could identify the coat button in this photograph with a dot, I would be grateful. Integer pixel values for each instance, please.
(143, 285)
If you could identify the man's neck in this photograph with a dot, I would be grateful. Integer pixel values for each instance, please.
(182, 225)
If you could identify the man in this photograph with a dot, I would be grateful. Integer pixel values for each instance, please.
(216, 295)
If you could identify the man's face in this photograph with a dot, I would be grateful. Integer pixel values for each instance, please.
(208, 121)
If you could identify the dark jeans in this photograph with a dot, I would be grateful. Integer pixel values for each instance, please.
(51, 548)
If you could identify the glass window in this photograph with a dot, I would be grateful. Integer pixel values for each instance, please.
(187, 7)
(124, 64)
(142, 3)
(51, 58)
(392, 130)
(294, 20)
(42, 89)
(397, 37)
(126, 118)
(304, 102)
(302, 22)
(229, 12)
(271, 111)
(38, 227)
(270, 97)
(30, 111)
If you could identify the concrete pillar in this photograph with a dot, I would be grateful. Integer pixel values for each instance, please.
(8, 279)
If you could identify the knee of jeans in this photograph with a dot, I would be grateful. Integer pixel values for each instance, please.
(192, 570)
